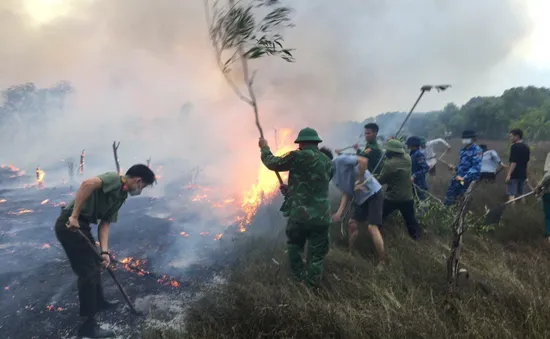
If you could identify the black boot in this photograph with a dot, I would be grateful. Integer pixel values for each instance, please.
(91, 329)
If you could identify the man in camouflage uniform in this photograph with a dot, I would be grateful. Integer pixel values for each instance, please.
(306, 202)
(419, 168)
(396, 174)
(468, 168)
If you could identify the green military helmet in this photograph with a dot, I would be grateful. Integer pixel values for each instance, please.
(422, 141)
(307, 135)
(395, 146)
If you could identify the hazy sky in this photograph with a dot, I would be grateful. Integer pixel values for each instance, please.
(140, 60)
(354, 59)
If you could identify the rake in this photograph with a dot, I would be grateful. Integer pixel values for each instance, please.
(112, 274)
(495, 214)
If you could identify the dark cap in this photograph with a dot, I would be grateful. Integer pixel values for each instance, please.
(469, 134)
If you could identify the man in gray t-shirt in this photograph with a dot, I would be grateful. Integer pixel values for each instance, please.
(357, 184)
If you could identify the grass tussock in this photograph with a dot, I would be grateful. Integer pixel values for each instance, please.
(504, 297)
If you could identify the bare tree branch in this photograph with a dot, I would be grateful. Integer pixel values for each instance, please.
(115, 154)
(81, 166)
(459, 227)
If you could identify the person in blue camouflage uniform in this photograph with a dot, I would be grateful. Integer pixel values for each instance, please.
(419, 168)
(306, 202)
(468, 168)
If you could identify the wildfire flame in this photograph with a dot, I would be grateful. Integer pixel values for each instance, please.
(21, 211)
(18, 172)
(11, 168)
(267, 183)
(40, 174)
(158, 173)
(2, 201)
(45, 202)
(264, 190)
(53, 308)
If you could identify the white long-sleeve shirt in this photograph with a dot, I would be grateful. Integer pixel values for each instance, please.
(490, 162)
(430, 150)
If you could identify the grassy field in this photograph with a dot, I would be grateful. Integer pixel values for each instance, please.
(505, 296)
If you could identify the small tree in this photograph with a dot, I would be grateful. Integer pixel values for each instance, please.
(238, 37)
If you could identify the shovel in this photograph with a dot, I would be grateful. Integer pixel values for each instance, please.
(112, 274)
(495, 214)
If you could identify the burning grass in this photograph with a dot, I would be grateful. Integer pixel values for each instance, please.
(505, 296)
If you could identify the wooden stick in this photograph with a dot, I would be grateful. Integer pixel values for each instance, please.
(459, 228)
(81, 166)
(112, 274)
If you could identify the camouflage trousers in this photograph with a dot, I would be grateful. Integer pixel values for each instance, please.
(317, 237)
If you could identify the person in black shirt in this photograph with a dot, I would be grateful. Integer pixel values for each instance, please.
(517, 172)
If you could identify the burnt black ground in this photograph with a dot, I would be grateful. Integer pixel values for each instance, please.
(35, 273)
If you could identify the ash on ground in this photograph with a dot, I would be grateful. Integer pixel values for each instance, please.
(39, 296)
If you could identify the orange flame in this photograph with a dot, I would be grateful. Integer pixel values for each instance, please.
(21, 211)
(53, 308)
(40, 174)
(2, 201)
(45, 202)
(11, 168)
(18, 172)
(267, 183)
(158, 173)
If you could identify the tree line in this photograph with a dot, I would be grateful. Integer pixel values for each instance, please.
(491, 117)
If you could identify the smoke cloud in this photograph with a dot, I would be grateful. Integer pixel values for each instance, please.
(134, 63)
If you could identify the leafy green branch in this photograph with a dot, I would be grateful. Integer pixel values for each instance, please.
(237, 37)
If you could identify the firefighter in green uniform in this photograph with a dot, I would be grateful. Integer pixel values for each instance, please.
(372, 149)
(306, 202)
(97, 201)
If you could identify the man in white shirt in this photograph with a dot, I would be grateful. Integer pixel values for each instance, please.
(429, 151)
(490, 164)
(355, 182)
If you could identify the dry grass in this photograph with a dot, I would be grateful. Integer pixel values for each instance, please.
(505, 296)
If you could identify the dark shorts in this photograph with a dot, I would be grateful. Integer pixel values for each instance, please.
(515, 187)
(488, 176)
(371, 211)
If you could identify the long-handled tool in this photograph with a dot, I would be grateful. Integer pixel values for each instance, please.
(495, 214)
(423, 89)
(112, 274)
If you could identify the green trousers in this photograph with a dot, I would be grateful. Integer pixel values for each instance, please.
(546, 209)
(317, 237)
